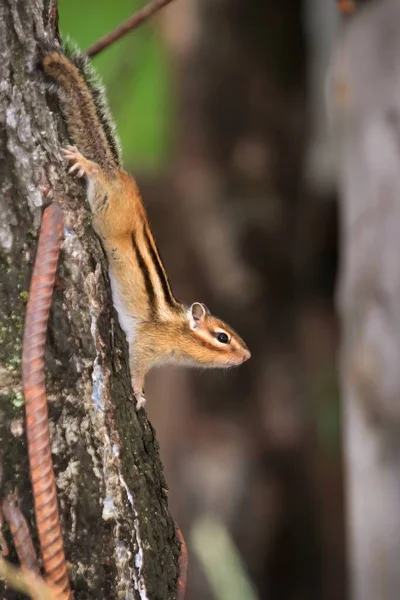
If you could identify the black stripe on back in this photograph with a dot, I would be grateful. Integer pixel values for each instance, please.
(97, 93)
(168, 297)
(146, 277)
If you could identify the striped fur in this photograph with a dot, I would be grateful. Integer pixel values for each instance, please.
(159, 329)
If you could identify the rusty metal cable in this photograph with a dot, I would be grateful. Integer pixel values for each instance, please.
(20, 534)
(37, 426)
(183, 566)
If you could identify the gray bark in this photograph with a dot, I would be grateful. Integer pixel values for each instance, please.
(365, 104)
(119, 536)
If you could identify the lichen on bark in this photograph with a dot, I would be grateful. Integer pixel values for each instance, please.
(119, 537)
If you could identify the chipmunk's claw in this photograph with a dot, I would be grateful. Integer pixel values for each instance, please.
(140, 400)
(76, 168)
(81, 165)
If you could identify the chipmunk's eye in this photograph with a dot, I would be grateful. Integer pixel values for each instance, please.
(223, 338)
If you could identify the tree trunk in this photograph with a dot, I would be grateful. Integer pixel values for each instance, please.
(119, 536)
(366, 107)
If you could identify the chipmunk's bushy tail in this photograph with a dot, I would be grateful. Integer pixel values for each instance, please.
(84, 106)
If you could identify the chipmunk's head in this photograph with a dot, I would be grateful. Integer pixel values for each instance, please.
(218, 345)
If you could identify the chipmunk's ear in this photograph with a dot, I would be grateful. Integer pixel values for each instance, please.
(197, 312)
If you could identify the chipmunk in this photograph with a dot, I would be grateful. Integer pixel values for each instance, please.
(159, 329)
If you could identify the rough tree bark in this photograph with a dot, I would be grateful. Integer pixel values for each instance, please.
(119, 536)
(366, 109)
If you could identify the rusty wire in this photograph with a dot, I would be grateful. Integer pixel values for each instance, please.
(20, 534)
(37, 426)
(183, 566)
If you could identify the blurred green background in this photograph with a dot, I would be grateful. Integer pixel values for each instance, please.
(143, 112)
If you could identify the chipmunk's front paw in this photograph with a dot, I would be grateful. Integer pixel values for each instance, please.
(140, 399)
(81, 165)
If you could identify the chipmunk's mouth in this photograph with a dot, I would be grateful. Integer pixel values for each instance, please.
(240, 359)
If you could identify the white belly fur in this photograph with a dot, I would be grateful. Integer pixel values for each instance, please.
(90, 193)
(126, 321)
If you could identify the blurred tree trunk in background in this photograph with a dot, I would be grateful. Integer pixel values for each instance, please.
(119, 536)
(365, 102)
(259, 446)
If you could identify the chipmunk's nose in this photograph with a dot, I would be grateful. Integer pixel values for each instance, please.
(246, 355)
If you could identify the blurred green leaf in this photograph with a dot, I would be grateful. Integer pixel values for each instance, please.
(221, 560)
